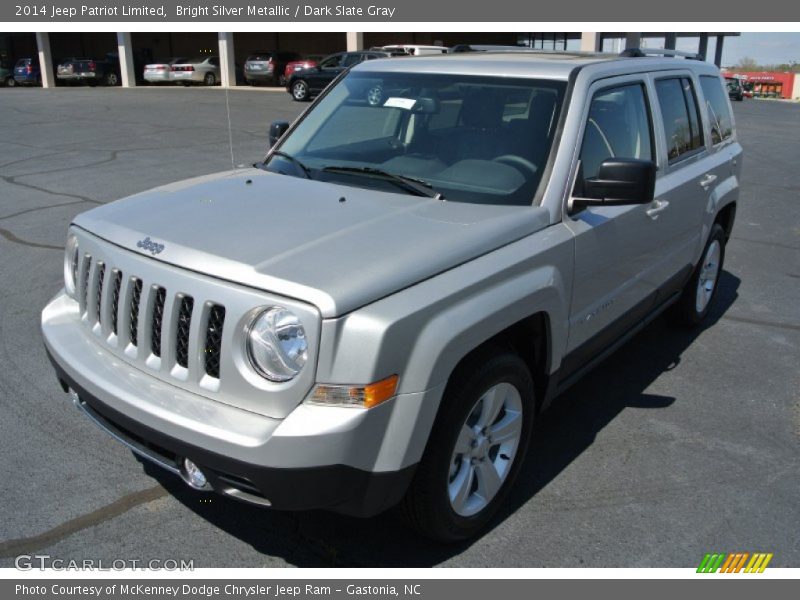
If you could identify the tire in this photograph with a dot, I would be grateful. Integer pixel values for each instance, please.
(209, 79)
(444, 501)
(698, 296)
(10, 82)
(281, 81)
(300, 91)
(111, 80)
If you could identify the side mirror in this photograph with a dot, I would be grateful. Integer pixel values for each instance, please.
(276, 130)
(619, 181)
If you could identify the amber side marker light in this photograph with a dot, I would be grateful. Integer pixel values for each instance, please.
(366, 396)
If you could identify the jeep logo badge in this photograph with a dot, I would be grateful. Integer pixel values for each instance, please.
(149, 245)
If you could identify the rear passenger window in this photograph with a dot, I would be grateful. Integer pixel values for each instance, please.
(717, 108)
(680, 112)
(618, 126)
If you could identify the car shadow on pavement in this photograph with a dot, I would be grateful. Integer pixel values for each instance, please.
(564, 432)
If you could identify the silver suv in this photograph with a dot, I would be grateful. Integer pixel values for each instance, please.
(376, 312)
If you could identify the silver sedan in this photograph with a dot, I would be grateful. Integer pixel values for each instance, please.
(161, 71)
(203, 69)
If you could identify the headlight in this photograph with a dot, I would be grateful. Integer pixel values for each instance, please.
(276, 344)
(71, 258)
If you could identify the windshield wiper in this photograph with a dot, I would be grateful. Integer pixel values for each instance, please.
(417, 187)
(296, 161)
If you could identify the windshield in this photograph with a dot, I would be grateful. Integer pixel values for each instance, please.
(471, 139)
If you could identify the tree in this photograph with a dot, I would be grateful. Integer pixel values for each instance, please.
(747, 63)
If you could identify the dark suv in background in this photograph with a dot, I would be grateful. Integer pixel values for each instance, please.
(268, 67)
(304, 85)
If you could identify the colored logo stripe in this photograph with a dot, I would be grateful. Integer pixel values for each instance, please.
(734, 562)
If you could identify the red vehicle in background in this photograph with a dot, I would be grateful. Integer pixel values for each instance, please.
(312, 60)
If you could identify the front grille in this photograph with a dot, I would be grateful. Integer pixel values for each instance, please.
(213, 349)
(136, 297)
(98, 295)
(158, 320)
(115, 287)
(182, 333)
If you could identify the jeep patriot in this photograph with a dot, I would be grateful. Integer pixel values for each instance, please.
(375, 313)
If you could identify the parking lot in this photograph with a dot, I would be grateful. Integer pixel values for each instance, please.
(681, 443)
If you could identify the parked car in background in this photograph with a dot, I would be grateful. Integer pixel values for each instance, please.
(735, 88)
(203, 69)
(412, 49)
(304, 85)
(6, 75)
(27, 72)
(91, 71)
(161, 70)
(268, 67)
(312, 60)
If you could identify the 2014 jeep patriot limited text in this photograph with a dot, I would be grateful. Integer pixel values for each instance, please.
(376, 312)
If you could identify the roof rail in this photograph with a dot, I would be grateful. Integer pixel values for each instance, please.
(642, 52)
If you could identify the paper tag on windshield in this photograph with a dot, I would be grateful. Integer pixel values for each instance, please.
(404, 103)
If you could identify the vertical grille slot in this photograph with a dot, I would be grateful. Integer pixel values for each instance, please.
(136, 296)
(213, 348)
(87, 267)
(74, 263)
(115, 287)
(182, 333)
(98, 294)
(158, 320)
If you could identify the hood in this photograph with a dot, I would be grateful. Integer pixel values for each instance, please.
(295, 237)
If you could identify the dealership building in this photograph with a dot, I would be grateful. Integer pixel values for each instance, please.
(135, 49)
(768, 84)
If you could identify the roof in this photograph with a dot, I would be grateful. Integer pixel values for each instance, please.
(522, 63)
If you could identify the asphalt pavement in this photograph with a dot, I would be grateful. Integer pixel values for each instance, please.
(681, 443)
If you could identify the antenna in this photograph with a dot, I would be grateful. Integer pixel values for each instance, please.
(230, 128)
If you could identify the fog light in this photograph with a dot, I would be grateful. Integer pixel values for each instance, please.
(193, 475)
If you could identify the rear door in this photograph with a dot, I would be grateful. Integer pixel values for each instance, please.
(328, 70)
(616, 247)
(688, 174)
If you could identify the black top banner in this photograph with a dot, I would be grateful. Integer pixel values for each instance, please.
(402, 11)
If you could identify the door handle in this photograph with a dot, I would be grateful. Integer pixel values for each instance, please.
(708, 180)
(656, 208)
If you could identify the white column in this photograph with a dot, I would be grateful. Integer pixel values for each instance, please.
(633, 40)
(126, 67)
(355, 41)
(45, 60)
(227, 62)
(590, 41)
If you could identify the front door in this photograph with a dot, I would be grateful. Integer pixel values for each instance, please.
(616, 247)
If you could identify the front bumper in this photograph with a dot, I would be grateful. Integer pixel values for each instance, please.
(317, 457)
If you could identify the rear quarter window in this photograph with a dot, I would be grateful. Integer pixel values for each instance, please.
(717, 108)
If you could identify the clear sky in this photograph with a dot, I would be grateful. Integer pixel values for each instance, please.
(765, 48)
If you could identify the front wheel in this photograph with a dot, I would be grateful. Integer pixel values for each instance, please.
(300, 91)
(476, 447)
(209, 79)
(698, 295)
(10, 82)
(111, 79)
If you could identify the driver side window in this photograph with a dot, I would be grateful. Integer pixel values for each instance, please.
(618, 126)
